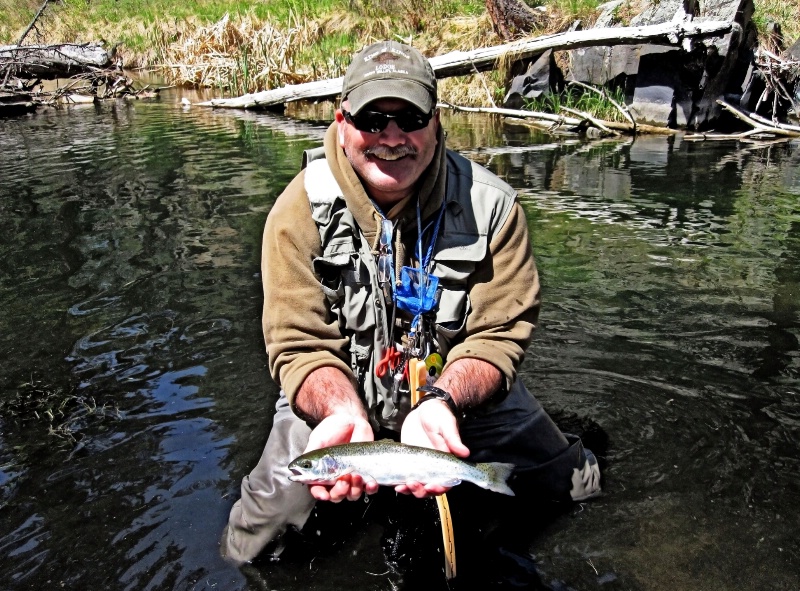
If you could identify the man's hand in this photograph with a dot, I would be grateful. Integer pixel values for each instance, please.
(431, 425)
(334, 430)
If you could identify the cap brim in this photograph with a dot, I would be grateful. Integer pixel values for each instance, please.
(406, 90)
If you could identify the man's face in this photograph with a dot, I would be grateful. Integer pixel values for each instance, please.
(391, 161)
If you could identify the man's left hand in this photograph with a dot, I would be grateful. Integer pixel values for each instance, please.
(432, 425)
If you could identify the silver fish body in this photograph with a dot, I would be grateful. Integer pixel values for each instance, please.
(390, 463)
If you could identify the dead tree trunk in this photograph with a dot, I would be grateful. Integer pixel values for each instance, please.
(511, 18)
(459, 63)
(53, 61)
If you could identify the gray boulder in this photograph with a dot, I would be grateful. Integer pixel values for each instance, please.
(674, 86)
(541, 77)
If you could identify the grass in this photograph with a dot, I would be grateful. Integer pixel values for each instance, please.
(581, 100)
(786, 14)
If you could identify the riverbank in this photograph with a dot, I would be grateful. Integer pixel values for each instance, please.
(239, 47)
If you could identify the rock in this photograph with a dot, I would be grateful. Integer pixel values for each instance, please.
(668, 86)
(792, 54)
(542, 76)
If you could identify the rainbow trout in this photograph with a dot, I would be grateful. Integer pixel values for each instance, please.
(390, 463)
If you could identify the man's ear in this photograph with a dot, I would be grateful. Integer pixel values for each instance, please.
(340, 123)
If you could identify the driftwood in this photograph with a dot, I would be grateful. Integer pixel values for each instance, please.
(53, 61)
(94, 87)
(762, 127)
(460, 63)
(560, 121)
(13, 104)
(775, 71)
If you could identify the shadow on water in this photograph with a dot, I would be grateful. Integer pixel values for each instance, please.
(135, 393)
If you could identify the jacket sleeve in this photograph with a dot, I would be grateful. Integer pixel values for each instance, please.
(504, 298)
(299, 331)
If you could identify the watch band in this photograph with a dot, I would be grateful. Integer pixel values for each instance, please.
(434, 393)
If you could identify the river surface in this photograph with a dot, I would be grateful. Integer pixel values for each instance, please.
(135, 393)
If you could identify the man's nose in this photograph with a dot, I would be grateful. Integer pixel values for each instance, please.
(393, 135)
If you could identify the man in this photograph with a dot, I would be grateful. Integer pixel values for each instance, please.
(392, 247)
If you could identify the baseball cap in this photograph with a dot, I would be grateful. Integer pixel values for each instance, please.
(389, 69)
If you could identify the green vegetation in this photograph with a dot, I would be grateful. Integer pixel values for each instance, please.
(582, 100)
(785, 13)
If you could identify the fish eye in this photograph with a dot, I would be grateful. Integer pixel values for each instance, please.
(305, 464)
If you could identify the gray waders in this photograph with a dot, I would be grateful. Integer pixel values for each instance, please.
(509, 428)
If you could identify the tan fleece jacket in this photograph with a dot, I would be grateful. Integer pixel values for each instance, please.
(300, 333)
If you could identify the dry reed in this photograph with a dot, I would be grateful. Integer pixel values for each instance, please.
(245, 55)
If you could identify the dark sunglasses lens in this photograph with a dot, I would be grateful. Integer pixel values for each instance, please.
(412, 120)
(375, 121)
(371, 121)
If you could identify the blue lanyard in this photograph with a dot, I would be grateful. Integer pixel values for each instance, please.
(424, 263)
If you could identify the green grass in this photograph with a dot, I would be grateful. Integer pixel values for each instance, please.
(785, 13)
(581, 100)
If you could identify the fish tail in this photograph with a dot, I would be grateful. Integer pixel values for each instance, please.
(497, 473)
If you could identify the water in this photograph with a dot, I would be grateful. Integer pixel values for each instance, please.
(134, 386)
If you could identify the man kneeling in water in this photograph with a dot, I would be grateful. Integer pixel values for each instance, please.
(390, 247)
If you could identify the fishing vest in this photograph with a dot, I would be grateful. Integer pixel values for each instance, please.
(477, 206)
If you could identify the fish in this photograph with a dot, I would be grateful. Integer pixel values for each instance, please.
(390, 463)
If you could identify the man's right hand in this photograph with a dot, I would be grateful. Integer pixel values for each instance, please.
(328, 396)
(334, 430)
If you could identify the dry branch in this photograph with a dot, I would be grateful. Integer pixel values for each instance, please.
(601, 125)
(560, 120)
(33, 22)
(760, 125)
(459, 63)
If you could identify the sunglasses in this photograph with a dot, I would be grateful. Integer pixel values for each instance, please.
(407, 120)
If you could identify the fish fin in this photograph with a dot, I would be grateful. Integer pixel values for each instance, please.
(497, 473)
(448, 482)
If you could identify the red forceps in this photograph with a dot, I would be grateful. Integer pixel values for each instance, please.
(391, 359)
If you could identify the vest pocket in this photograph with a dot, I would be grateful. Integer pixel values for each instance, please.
(345, 282)
(455, 262)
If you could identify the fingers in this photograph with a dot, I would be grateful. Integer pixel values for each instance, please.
(433, 425)
(362, 431)
(454, 444)
(350, 487)
(421, 491)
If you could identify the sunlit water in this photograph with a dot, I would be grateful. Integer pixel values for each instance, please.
(134, 386)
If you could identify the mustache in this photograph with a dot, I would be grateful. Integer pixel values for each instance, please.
(391, 152)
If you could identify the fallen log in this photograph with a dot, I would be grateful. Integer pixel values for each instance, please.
(53, 61)
(561, 120)
(761, 127)
(15, 104)
(459, 63)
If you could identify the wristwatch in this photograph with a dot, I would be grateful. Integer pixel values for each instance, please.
(434, 393)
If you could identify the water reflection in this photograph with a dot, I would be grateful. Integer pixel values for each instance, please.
(130, 290)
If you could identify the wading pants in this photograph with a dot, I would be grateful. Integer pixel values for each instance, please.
(512, 428)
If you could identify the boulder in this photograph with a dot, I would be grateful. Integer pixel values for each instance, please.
(542, 76)
(674, 86)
